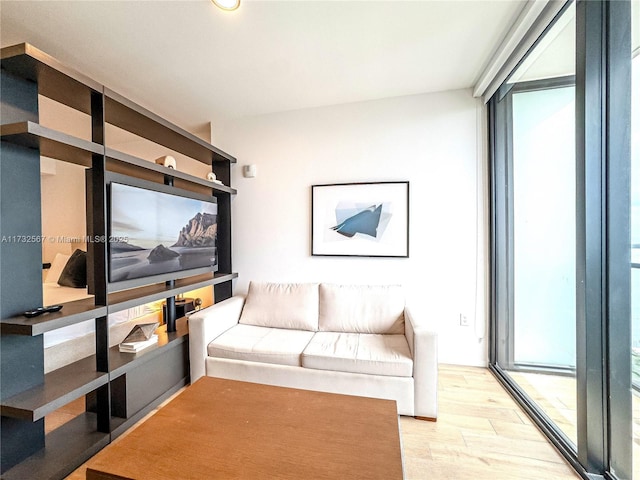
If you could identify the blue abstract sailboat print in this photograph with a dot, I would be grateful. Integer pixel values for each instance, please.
(365, 222)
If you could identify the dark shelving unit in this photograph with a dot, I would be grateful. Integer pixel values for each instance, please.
(71, 313)
(119, 388)
(65, 448)
(127, 159)
(124, 299)
(133, 118)
(120, 425)
(59, 388)
(52, 78)
(122, 362)
(51, 143)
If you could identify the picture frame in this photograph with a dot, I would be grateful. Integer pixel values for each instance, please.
(368, 219)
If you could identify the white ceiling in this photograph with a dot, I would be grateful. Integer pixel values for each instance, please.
(192, 63)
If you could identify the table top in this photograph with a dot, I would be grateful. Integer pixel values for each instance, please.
(228, 429)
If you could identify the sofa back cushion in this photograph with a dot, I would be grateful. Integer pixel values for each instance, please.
(282, 305)
(361, 309)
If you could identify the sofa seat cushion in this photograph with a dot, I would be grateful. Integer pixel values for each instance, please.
(261, 344)
(282, 305)
(361, 308)
(359, 353)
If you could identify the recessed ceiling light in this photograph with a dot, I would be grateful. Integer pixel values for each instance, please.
(227, 4)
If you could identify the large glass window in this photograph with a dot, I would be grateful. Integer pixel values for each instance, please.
(565, 236)
(544, 228)
(544, 248)
(538, 120)
(635, 231)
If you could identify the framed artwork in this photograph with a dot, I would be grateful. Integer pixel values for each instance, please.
(360, 219)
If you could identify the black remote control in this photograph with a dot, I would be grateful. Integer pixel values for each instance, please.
(40, 310)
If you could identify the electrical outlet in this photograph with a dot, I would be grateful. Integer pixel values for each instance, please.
(464, 320)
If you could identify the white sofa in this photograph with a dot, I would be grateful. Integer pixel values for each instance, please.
(355, 340)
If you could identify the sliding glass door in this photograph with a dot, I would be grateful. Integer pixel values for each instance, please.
(535, 122)
(635, 231)
(544, 247)
(544, 227)
(565, 212)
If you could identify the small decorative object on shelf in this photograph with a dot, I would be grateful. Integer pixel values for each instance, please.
(167, 160)
(212, 178)
(198, 304)
(139, 338)
(184, 306)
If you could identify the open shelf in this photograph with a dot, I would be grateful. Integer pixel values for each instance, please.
(51, 143)
(69, 445)
(59, 388)
(137, 296)
(54, 80)
(120, 363)
(71, 313)
(141, 163)
(129, 116)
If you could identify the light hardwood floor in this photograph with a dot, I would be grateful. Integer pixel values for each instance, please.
(556, 395)
(481, 433)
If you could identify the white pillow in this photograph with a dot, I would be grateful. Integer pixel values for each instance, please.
(59, 261)
(282, 305)
(361, 309)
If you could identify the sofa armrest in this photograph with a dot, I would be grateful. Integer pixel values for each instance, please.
(423, 344)
(206, 325)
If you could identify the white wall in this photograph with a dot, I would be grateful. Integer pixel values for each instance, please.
(434, 140)
(63, 209)
(63, 189)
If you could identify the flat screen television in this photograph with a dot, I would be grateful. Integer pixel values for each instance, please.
(153, 233)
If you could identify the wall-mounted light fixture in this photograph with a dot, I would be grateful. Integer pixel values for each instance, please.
(227, 4)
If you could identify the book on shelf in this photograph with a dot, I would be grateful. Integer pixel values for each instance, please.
(140, 337)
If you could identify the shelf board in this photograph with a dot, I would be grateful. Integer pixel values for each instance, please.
(71, 313)
(60, 387)
(137, 296)
(51, 143)
(55, 80)
(146, 164)
(66, 447)
(120, 363)
(129, 116)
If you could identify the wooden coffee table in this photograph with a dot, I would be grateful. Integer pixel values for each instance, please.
(225, 429)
